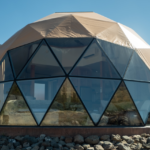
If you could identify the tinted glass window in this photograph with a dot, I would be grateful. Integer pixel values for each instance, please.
(94, 63)
(95, 94)
(19, 56)
(140, 92)
(39, 94)
(68, 50)
(42, 64)
(15, 110)
(118, 55)
(4, 90)
(121, 111)
(137, 69)
(5, 69)
(67, 109)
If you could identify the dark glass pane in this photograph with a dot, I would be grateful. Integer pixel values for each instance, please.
(5, 69)
(117, 54)
(39, 94)
(148, 120)
(19, 56)
(4, 90)
(121, 111)
(94, 63)
(137, 69)
(67, 110)
(42, 64)
(140, 93)
(15, 110)
(95, 94)
(68, 50)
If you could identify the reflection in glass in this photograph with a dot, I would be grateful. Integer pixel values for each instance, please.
(5, 69)
(67, 110)
(68, 50)
(118, 55)
(19, 56)
(121, 110)
(140, 93)
(4, 90)
(15, 110)
(137, 69)
(43, 64)
(94, 63)
(95, 94)
(39, 94)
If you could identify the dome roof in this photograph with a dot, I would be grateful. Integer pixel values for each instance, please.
(73, 25)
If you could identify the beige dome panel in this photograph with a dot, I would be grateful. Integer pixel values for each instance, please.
(114, 34)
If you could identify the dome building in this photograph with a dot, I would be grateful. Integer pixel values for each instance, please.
(75, 69)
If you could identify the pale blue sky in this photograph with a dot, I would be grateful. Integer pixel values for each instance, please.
(15, 14)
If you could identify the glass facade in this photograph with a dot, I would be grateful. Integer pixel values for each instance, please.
(74, 82)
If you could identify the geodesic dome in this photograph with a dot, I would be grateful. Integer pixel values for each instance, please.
(75, 69)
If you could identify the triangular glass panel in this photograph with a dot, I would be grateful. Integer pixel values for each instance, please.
(140, 93)
(67, 109)
(4, 90)
(68, 50)
(95, 94)
(19, 56)
(39, 94)
(5, 69)
(118, 55)
(15, 110)
(121, 110)
(148, 120)
(42, 64)
(137, 69)
(94, 63)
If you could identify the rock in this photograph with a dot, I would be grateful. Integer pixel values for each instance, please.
(90, 148)
(65, 148)
(86, 146)
(54, 144)
(122, 146)
(26, 144)
(4, 147)
(62, 138)
(136, 146)
(35, 148)
(128, 139)
(98, 147)
(19, 138)
(48, 139)
(28, 148)
(68, 139)
(56, 139)
(12, 140)
(105, 137)
(10, 145)
(143, 140)
(116, 138)
(19, 147)
(31, 140)
(79, 147)
(46, 144)
(101, 143)
(69, 145)
(107, 145)
(42, 136)
(136, 138)
(93, 139)
(146, 145)
(42, 148)
(148, 140)
(78, 139)
(62, 143)
(36, 144)
(145, 135)
(16, 144)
